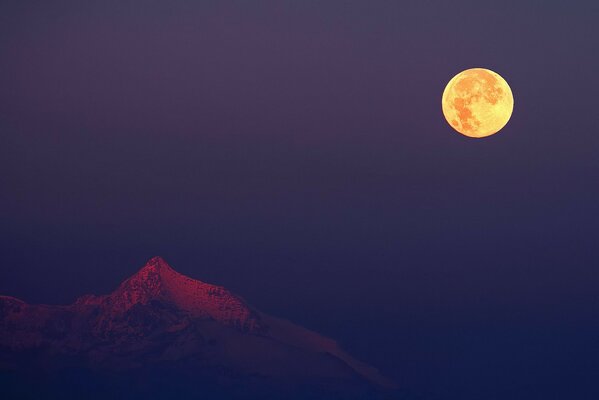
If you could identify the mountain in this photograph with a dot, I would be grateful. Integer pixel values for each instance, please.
(161, 333)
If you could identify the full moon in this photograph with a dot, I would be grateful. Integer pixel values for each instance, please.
(477, 102)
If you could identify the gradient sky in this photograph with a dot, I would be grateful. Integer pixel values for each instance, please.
(296, 153)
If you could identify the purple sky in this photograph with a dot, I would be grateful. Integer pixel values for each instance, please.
(295, 152)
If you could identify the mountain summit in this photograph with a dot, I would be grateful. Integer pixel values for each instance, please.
(160, 320)
(157, 281)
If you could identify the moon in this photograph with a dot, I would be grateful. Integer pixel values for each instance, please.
(477, 102)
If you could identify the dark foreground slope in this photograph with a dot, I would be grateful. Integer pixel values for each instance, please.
(163, 335)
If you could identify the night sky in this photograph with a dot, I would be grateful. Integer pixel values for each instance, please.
(295, 152)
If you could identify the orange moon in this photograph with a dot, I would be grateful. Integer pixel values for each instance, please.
(477, 102)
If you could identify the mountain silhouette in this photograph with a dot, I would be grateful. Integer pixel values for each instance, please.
(161, 334)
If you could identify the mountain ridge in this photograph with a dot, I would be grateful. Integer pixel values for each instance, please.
(159, 316)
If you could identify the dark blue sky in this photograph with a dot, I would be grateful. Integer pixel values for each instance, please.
(296, 153)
